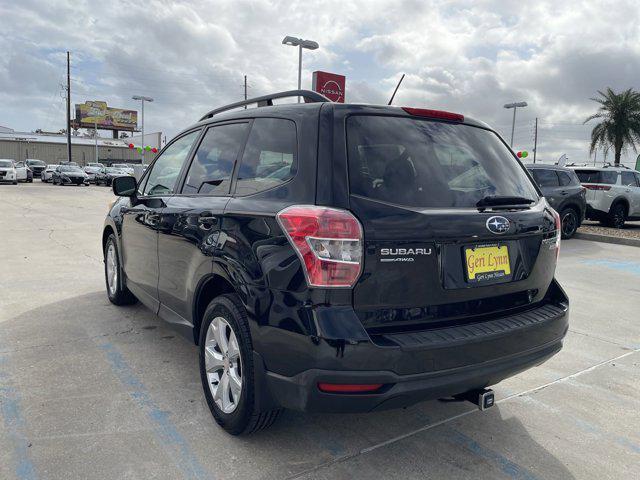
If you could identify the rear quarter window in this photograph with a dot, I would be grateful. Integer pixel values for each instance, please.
(423, 163)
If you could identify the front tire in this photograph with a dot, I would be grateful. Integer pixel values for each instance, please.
(117, 292)
(227, 370)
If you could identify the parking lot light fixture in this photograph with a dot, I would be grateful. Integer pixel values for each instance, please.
(142, 100)
(515, 106)
(300, 43)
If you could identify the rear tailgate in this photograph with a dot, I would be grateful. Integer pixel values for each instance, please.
(431, 256)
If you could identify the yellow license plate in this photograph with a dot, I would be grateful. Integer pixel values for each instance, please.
(487, 262)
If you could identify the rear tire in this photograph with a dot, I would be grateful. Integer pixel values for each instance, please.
(229, 319)
(617, 216)
(569, 221)
(117, 292)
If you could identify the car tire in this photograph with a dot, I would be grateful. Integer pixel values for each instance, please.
(15, 182)
(236, 413)
(617, 216)
(117, 292)
(569, 222)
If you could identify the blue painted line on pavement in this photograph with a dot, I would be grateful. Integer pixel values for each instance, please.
(166, 431)
(630, 267)
(15, 425)
(509, 468)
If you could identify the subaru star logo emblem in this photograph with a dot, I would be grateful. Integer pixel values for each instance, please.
(498, 225)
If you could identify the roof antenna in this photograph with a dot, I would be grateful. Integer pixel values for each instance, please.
(397, 87)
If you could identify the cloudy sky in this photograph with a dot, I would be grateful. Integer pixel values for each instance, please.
(464, 56)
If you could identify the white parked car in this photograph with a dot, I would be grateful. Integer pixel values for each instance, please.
(91, 171)
(123, 167)
(23, 172)
(45, 176)
(613, 194)
(8, 171)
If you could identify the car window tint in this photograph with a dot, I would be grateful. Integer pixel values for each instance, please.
(565, 179)
(628, 179)
(545, 177)
(269, 157)
(637, 179)
(424, 163)
(212, 166)
(164, 173)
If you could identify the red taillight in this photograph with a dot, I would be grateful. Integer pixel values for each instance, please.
(327, 240)
(424, 112)
(349, 388)
(558, 222)
(589, 186)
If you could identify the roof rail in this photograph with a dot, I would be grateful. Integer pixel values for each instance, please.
(267, 100)
(609, 165)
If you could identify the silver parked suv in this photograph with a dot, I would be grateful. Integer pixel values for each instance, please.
(613, 194)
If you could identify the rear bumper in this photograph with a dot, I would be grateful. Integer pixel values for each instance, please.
(418, 366)
(301, 392)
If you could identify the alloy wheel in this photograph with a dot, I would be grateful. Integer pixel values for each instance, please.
(223, 363)
(112, 269)
(569, 223)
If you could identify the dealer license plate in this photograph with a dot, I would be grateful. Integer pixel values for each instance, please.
(487, 262)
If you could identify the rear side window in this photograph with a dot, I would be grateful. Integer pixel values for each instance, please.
(269, 157)
(546, 178)
(628, 179)
(597, 176)
(165, 170)
(212, 166)
(565, 178)
(423, 163)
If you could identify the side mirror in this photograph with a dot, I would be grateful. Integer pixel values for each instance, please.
(124, 186)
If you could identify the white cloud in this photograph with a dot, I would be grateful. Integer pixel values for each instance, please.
(466, 56)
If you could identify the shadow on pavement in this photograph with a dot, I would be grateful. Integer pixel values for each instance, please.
(85, 350)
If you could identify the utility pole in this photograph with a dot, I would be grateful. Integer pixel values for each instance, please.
(245, 90)
(142, 99)
(535, 141)
(68, 109)
(96, 136)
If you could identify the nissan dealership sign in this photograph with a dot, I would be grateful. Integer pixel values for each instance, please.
(331, 85)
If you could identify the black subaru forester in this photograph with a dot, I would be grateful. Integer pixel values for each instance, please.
(339, 257)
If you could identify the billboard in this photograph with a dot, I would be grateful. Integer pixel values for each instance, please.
(90, 113)
(331, 85)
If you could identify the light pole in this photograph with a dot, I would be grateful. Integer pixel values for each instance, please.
(142, 99)
(300, 43)
(513, 123)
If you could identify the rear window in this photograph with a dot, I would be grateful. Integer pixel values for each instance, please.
(546, 178)
(424, 163)
(597, 176)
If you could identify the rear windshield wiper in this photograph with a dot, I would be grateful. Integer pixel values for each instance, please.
(496, 200)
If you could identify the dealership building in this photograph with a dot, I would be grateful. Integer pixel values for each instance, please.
(51, 148)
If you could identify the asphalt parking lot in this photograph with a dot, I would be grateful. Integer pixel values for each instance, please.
(90, 390)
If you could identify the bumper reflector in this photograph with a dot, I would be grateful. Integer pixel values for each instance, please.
(349, 388)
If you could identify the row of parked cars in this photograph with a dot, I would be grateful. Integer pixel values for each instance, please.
(98, 173)
(608, 194)
(65, 173)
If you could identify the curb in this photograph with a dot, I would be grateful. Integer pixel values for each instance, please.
(596, 237)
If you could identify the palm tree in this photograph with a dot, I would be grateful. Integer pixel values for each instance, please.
(620, 122)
